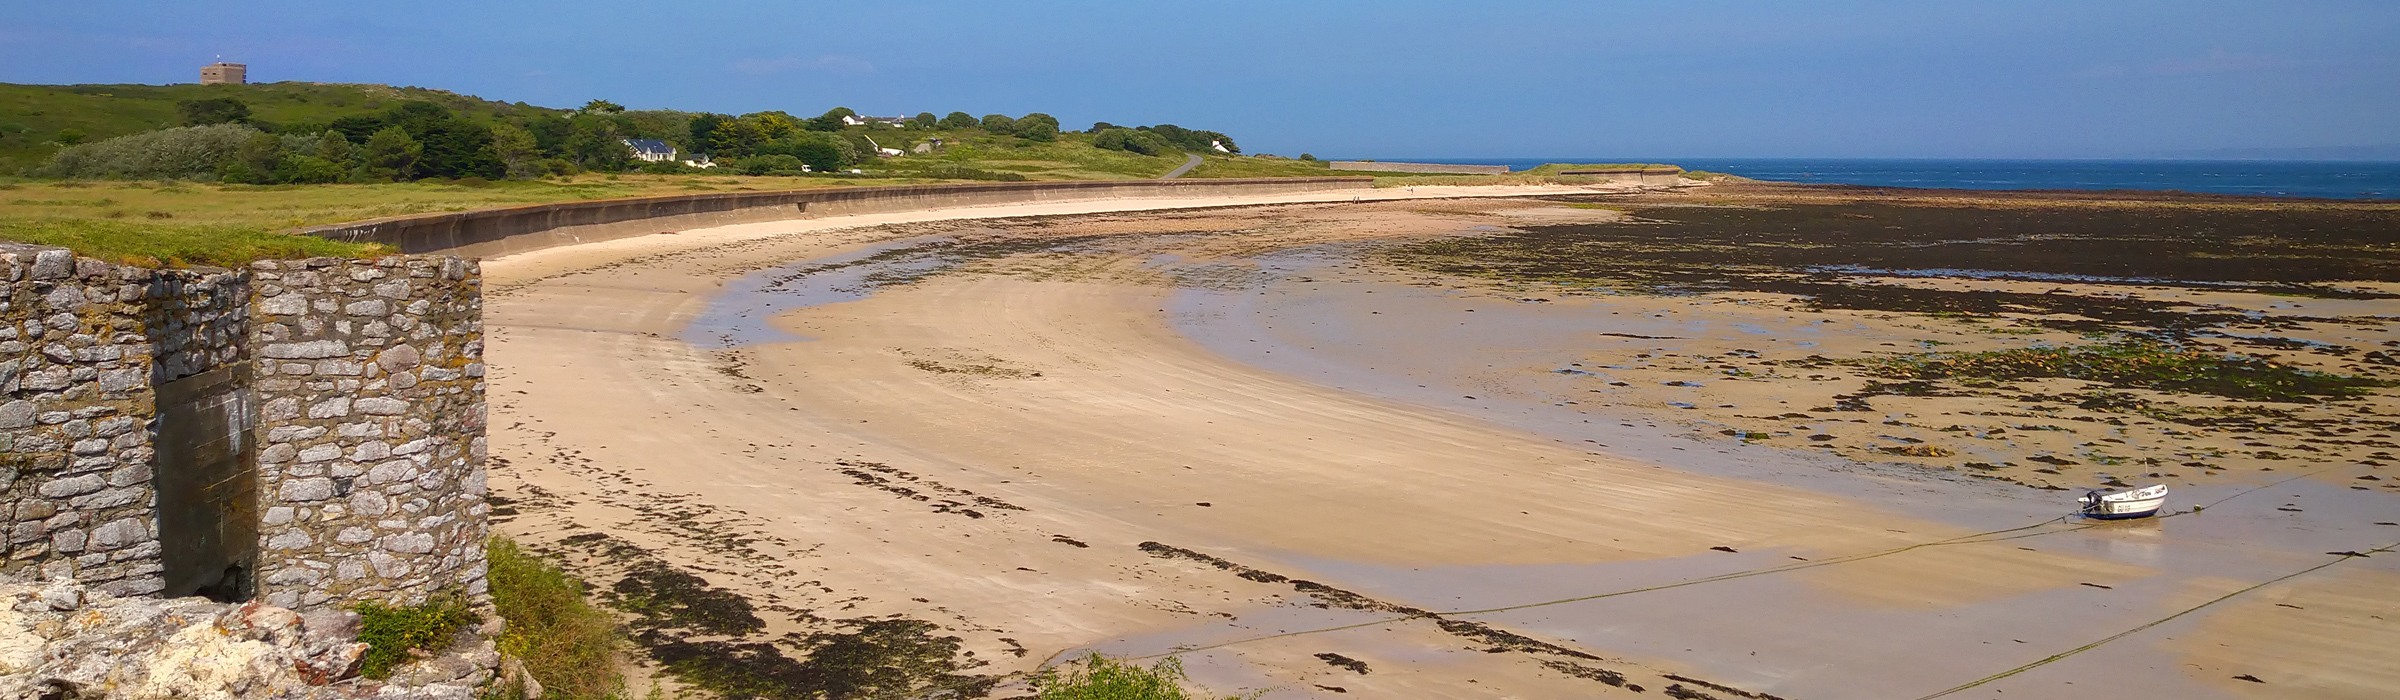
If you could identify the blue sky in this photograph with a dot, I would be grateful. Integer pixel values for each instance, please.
(1724, 78)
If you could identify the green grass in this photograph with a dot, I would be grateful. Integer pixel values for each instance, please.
(2136, 363)
(1220, 165)
(1071, 157)
(566, 642)
(291, 206)
(1101, 678)
(393, 633)
(176, 245)
(32, 115)
(1556, 168)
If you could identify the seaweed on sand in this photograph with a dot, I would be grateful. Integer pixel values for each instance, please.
(714, 639)
(2135, 363)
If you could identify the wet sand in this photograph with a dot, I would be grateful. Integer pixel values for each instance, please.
(1241, 429)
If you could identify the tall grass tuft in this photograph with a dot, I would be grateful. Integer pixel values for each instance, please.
(1102, 678)
(394, 633)
(568, 644)
(176, 245)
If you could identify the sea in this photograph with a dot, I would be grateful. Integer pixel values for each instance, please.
(2272, 178)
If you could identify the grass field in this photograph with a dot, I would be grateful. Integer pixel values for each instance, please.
(278, 207)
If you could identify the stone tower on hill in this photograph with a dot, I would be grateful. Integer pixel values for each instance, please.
(222, 73)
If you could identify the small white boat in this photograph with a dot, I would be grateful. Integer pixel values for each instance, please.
(2119, 505)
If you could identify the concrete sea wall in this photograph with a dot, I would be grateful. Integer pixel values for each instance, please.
(1660, 175)
(1376, 166)
(492, 232)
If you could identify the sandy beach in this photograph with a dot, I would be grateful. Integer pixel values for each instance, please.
(1326, 449)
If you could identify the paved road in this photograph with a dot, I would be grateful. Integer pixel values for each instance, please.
(1192, 161)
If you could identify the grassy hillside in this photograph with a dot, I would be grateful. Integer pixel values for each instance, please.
(1071, 157)
(176, 221)
(31, 116)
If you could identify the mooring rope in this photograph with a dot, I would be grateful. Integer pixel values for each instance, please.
(2342, 557)
(1975, 538)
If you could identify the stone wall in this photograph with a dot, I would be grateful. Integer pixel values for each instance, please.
(370, 392)
(359, 382)
(82, 344)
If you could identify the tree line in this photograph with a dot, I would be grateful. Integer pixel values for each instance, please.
(220, 138)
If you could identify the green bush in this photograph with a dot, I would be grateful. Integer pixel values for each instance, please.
(1133, 141)
(214, 110)
(777, 164)
(164, 154)
(954, 171)
(1036, 126)
(1101, 678)
(568, 644)
(393, 633)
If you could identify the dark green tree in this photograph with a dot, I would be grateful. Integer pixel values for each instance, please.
(335, 148)
(998, 123)
(1036, 126)
(736, 139)
(594, 143)
(924, 120)
(391, 154)
(958, 120)
(703, 137)
(519, 156)
(214, 110)
(603, 107)
(831, 120)
(1133, 141)
(453, 147)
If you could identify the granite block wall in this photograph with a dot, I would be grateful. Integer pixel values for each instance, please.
(369, 381)
(82, 345)
(364, 401)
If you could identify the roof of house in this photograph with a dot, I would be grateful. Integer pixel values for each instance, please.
(650, 145)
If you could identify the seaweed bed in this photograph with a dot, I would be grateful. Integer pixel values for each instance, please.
(2133, 363)
(2164, 330)
(2294, 250)
(714, 639)
(1815, 249)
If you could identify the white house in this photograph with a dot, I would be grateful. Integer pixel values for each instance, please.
(856, 120)
(651, 150)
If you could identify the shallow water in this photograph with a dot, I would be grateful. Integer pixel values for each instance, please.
(1776, 633)
(739, 314)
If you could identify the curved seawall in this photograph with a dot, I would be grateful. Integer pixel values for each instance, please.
(492, 232)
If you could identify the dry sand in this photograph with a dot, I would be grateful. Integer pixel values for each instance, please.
(1136, 441)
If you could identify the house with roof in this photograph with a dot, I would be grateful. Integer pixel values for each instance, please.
(651, 150)
(857, 120)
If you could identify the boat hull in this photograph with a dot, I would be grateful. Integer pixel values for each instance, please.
(2129, 513)
(2126, 505)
